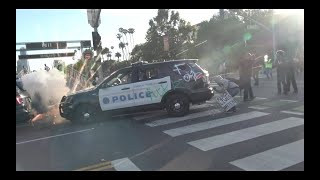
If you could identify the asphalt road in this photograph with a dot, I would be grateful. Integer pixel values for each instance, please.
(265, 134)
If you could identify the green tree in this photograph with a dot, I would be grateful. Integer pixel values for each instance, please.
(118, 55)
(122, 46)
(131, 31)
(168, 23)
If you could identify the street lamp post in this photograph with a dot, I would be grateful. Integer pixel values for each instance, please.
(94, 20)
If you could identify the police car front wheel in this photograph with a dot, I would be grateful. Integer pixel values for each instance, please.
(85, 114)
(177, 105)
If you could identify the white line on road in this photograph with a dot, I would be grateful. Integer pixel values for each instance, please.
(213, 123)
(124, 164)
(259, 107)
(184, 118)
(246, 134)
(159, 113)
(293, 112)
(257, 98)
(38, 139)
(287, 100)
(274, 159)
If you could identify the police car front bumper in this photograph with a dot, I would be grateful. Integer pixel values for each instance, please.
(65, 108)
(202, 95)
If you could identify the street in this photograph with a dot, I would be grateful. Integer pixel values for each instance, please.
(266, 134)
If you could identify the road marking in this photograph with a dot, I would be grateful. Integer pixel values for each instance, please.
(267, 105)
(124, 164)
(257, 98)
(213, 123)
(214, 142)
(159, 113)
(184, 118)
(293, 112)
(96, 166)
(38, 139)
(287, 100)
(274, 159)
(300, 108)
(258, 107)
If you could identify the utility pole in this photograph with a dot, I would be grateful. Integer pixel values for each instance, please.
(94, 20)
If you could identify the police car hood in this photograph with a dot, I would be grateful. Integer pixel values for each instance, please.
(82, 91)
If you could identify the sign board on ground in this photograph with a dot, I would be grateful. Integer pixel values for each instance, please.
(226, 101)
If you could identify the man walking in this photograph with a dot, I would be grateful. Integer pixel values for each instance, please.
(245, 73)
(290, 76)
(281, 72)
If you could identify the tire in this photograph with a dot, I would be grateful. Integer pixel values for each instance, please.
(177, 105)
(81, 110)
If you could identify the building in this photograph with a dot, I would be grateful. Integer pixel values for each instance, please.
(23, 62)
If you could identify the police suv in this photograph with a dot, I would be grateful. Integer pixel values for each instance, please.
(170, 85)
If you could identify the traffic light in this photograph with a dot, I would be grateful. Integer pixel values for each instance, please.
(96, 39)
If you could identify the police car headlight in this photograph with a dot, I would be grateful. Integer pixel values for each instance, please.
(70, 99)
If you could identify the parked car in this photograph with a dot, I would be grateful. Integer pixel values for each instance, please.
(23, 105)
(170, 85)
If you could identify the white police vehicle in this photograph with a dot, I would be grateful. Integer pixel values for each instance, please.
(170, 85)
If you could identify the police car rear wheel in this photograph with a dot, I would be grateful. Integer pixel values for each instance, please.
(177, 105)
(85, 114)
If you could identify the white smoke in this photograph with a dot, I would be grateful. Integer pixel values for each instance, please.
(45, 88)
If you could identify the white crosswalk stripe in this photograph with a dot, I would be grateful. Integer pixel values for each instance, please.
(277, 103)
(293, 112)
(274, 159)
(160, 113)
(213, 123)
(226, 139)
(172, 120)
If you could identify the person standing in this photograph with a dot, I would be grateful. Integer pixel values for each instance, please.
(245, 73)
(268, 66)
(25, 71)
(281, 72)
(290, 76)
(46, 67)
(256, 69)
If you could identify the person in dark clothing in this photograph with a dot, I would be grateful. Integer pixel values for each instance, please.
(257, 66)
(25, 71)
(290, 76)
(245, 73)
(281, 72)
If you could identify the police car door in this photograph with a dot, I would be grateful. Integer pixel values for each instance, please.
(150, 87)
(118, 92)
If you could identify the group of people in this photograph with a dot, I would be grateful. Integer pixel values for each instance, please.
(285, 76)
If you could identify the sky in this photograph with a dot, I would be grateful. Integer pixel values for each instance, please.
(42, 25)
(63, 25)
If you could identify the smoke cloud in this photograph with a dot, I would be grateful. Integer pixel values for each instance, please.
(45, 88)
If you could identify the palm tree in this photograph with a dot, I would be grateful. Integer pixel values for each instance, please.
(112, 49)
(105, 51)
(125, 31)
(131, 31)
(109, 56)
(122, 45)
(119, 36)
(118, 55)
